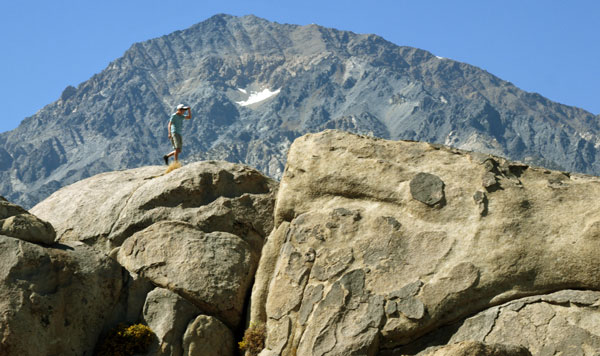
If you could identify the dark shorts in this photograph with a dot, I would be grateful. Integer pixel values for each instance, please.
(176, 141)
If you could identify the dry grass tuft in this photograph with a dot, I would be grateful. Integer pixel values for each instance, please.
(126, 340)
(254, 339)
(173, 166)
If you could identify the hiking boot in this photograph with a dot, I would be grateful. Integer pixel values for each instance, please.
(166, 158)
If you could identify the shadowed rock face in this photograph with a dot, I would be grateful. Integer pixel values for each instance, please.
(55, 300)
(360, 262)
(324, 79)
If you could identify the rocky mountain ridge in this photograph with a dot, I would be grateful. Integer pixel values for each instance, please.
(309, 78)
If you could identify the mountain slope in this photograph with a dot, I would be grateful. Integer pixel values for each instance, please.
(317, 78)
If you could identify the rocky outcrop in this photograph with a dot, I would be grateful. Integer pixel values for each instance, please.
(104, 210)
(17, 222)
(377, 244)
(196, 233)
(55, 300)
(376, 248)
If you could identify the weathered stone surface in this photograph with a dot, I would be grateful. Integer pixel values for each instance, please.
(289, 281)
(564, 322)
(168, 315)
(331, 263)
(391, 307)
(473, 348)
(104, 210)
(267, 352)
(348, 199)
(346, 321)
(211, 270)
(278, 337)
(19, 223)
(197, 231)
(409, 290)
(207, 336)
(312, 295)
(54, 301)
(482, 202)
(427, 188)
(264, 272)
(412, 308)
(489, 181)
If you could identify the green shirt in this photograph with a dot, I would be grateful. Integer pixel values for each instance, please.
(176, 123)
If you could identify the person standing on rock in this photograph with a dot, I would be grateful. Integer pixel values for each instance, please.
(174, 129)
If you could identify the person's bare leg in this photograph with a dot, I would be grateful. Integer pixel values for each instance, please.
(176, 153)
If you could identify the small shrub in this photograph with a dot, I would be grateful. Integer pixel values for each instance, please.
(254, 339)
(126, 341)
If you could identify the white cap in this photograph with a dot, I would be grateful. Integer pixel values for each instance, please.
(181, 106)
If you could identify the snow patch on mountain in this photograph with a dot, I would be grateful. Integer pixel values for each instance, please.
(257, 96)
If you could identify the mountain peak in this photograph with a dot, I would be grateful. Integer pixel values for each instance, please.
(324, 79)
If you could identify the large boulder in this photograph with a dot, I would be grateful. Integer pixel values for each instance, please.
(104, 210)
(211, 270)
(377, 243)
(19, 223)
(56, 300)
(207, 336)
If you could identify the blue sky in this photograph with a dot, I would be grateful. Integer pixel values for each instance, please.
(551, 47)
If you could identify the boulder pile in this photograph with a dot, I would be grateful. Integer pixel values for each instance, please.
(366, 247)
(174, 251)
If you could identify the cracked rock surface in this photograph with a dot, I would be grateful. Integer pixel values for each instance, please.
(560, 323)
(358, 264)
(564, 322)
(473, 348)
